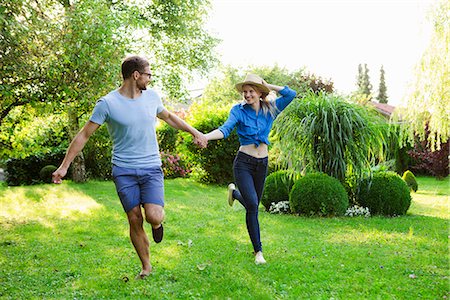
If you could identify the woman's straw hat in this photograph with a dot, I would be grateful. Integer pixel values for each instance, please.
(255, 80)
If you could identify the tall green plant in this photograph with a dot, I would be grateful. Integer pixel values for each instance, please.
(326, 133)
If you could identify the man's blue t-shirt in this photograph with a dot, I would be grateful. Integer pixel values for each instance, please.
(131, 125)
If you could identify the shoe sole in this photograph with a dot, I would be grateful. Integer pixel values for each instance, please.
(230, 196)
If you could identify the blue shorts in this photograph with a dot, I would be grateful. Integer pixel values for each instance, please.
(138, 186)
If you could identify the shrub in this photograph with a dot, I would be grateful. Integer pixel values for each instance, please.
(173, 166)
(97, 155)
(213, 164)
(384, 194)
(25, 171)
(410, 180)
(425, 161)
(46, 173)
(277, 188)
(318, 194)
(167, 137)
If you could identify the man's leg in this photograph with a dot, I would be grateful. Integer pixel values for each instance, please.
(154, 215)
(139, 239)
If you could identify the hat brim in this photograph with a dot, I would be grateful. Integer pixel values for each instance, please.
(262, 88)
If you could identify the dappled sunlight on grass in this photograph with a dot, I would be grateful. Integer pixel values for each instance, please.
(45, 203)
(435, 206)
(370, 236)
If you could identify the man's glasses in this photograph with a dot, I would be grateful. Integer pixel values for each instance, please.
(148, 74)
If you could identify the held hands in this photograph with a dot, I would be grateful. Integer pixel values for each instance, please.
(58, 175)
(201, 140)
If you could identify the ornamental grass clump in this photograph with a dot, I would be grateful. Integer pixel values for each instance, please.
(277, 187)
(325, 133)
(410, 180)
(318, 194)
(384, 194)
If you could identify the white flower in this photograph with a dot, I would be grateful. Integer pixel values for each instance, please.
(281, 207)
(356, 210)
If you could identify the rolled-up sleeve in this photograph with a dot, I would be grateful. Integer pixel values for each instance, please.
(230, 123)
(287, 95)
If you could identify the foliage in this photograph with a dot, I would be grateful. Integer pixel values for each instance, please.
(363, 81)
(221, 90)
(382, 90)
(46, 173)
(26, 131)
(428, 162)
(384, 194)
(277, 187)
(318, 194)
(39, 223)
(98, 155)
(328, 134)
(213, 164)
(167, 137)
(26, 171)
(173, 166)
(410, 180)
(76, 45)
(428, 99)
(24, 48)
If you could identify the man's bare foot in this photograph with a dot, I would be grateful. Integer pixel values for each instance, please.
(144, 274)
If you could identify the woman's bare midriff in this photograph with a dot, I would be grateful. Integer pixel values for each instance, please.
(258, 152)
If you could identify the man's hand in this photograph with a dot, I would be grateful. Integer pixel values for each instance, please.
(58, 175)
(201, 140)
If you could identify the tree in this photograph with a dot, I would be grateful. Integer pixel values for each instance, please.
(23, 44)
(79, 46)
(382, 90)
(428, 101)
(363, 81)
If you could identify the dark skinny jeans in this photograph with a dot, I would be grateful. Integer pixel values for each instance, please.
(250, 174)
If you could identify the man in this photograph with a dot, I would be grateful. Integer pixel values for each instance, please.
(130, 113)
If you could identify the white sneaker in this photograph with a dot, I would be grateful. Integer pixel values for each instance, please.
(259, 258)
(231, 188)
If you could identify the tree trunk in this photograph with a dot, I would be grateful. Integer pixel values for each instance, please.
(78, 167)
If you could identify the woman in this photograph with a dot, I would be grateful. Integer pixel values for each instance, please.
(254, 118)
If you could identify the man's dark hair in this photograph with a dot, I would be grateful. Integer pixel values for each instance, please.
(133, 63)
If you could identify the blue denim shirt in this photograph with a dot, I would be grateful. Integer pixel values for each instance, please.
(253, 128)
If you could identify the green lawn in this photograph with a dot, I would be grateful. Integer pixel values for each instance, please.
(71, 241)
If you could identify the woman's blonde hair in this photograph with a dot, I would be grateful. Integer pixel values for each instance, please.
(267, 101)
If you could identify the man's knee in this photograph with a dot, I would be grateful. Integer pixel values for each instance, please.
(154, 214)
(135, 217)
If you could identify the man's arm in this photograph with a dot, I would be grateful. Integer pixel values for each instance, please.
(75, 147)
(177, 123)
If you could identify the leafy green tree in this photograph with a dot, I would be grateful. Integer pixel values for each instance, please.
(326, 133)
(24, 43)
(382, 90)
(79, 45)
(427, 113)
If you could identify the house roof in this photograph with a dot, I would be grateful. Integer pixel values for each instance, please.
(383, 108)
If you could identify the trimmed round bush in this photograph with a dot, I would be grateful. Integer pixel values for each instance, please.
(410, 180)
(46, 173)
(385, 194)
(318, 194)
(277, 187)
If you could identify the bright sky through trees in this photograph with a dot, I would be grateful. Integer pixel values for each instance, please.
(329, 37)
